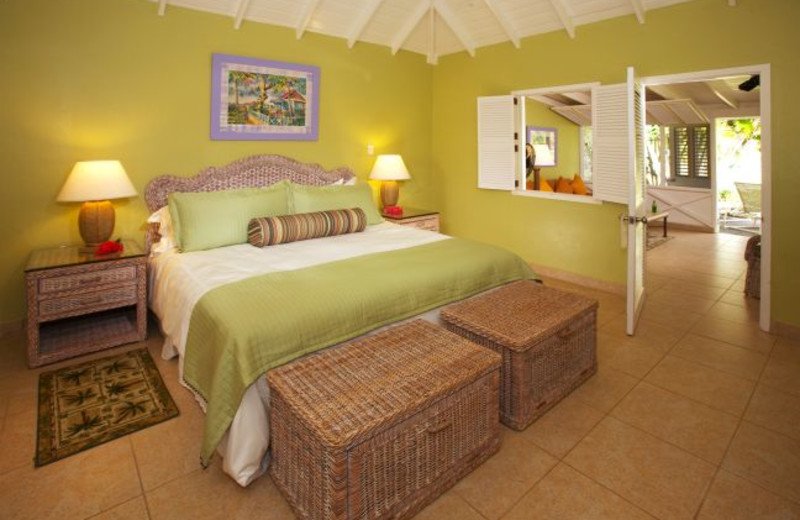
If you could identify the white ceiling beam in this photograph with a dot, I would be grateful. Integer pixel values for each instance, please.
(502, 18)
(666, 92)
(433, 56)
(566, 19)
(305, 17)
(241, 10)
(162, 7)
(547, 100)
(581, 97)
(450, 18)
(638, 9)
(411, 23)
(362, 21)
(723, 92)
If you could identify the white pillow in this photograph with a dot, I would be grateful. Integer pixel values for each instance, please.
(167, 242)
(350, 182)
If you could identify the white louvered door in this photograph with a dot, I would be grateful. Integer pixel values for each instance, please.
(496, 155)
(610, 141)
(637, 188)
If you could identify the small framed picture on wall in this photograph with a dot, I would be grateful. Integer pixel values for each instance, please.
(255, 99)
(545, 144)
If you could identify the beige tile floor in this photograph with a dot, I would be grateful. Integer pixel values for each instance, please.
(698, 416)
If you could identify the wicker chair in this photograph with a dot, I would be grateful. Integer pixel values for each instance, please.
(752, 253)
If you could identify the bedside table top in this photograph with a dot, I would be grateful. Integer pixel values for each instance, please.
(410, 213)
(71, 255)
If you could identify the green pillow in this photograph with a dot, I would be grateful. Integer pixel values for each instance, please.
(204, 220)
(307, 199)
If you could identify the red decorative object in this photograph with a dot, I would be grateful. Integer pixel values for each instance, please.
(109, 247)
(395, 211)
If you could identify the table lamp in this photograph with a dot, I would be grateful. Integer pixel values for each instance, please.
(389, 169)
(94, 183)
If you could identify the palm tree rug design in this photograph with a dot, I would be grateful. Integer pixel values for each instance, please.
(83, 406)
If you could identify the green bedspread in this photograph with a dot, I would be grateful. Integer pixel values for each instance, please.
(240, 330)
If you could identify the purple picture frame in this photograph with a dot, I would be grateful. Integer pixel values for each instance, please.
(254, 99)
(544, 135)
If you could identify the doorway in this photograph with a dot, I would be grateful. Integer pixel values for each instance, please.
(684, 150)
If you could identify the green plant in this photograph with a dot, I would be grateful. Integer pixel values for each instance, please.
(725, 195)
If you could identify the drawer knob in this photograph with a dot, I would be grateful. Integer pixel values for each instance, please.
(436, 428)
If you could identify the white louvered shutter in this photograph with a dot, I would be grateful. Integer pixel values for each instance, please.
(496, 156)
(611, 143)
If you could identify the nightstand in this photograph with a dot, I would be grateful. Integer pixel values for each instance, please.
(418, 218)
(80, 303)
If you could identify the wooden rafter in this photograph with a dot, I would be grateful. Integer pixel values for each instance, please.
(162, 7)
(410, 24)
(305, 17)
(723, 92)
(581, 97)
(502, 18)
(547, 100)
(638, 9)
(450, 18)
(566, 19)
(362, 21)
(241, 10)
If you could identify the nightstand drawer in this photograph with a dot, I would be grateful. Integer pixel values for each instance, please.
(87, 302)
(72, 282)
(428, 224)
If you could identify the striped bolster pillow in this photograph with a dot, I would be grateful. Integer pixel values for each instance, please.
(269, 231)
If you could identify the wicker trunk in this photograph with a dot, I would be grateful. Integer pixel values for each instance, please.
(547, 338)
(380, 427)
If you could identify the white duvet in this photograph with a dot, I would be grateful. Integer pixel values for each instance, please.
(178, 280)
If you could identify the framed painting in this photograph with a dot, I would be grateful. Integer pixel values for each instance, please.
(255, 99)
(545, 144)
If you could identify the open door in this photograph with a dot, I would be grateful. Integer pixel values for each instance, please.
(637, 216)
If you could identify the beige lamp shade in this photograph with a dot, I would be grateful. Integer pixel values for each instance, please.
(389, 168)
(96, 180)
(93, 183)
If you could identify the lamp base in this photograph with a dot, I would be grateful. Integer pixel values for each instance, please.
(96, 223)
(390, 192)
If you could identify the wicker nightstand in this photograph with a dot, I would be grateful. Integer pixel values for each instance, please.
(80, 303)
(418, 218)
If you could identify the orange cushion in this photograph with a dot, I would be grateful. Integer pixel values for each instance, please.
(563, 186)
(578, 186)
(544, 185)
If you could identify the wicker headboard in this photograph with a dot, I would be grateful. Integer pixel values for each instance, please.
(250, 172)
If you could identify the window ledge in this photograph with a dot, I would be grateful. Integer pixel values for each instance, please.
(584, 199)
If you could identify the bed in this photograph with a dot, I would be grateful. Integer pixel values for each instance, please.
(231, 313)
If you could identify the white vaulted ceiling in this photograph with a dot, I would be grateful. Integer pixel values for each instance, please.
(430, 27)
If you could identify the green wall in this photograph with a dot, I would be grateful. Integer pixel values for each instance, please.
(568, 159)
(694, 36)
(96, 79)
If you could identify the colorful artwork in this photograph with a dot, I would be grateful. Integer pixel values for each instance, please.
(261, 99)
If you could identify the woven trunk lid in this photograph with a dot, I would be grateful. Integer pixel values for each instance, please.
(350, 392)
(520, 314)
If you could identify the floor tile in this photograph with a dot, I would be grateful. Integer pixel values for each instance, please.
(449, 506)
(698, 429)
(18, 441)
(79, 486)
(674, 298)
(735, 313)
(783, 375)
(211, 495)
(652, 334)
(134, 509)
(716, 389)
(634, 356)
(746, 335)
(775, 410)
(721, 356)
(787, 350)
(766, 458)
(495, 486)
(564, 493)
(605, 389)
(680, 319)
(661, 479)
(560, 429)
(751, 501)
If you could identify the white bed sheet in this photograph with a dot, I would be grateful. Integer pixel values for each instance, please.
(179, 280)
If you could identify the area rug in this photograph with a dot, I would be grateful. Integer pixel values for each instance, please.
(655, 240)
(85, 405)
